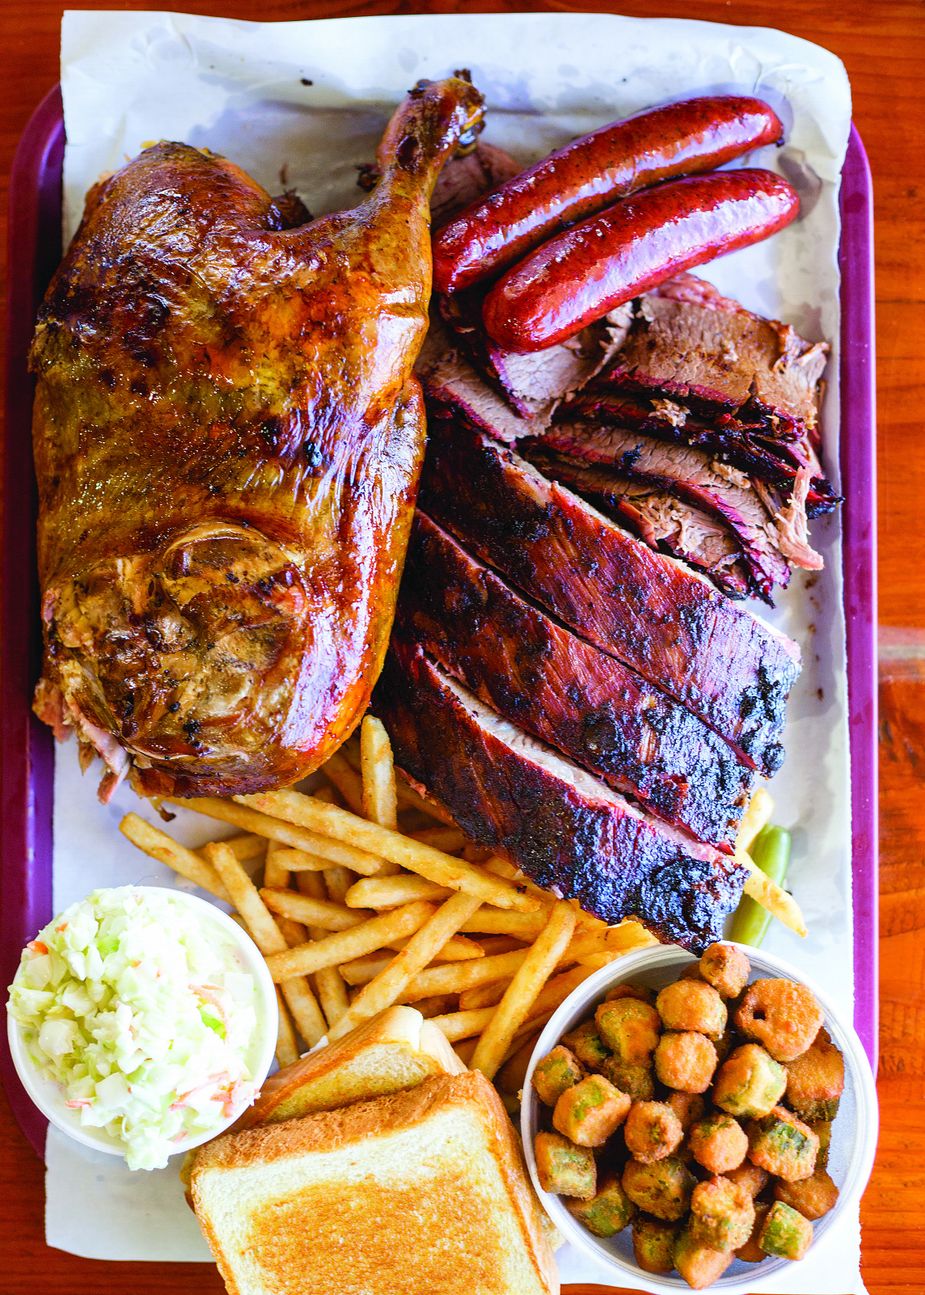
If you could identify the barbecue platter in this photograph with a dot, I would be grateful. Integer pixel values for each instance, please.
(465, 506)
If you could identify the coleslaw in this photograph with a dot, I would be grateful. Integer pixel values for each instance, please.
(143, 1015)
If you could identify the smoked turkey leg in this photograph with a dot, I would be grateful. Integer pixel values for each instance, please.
(227, 440)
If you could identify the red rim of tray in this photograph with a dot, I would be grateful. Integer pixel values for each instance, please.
(26, 754)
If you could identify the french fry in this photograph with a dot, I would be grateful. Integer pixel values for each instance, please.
(269, 940)
(499, 943)
(554, 992)
(370, 837)
(246, 846)
(424, 944)
(463, 1025)
(328, 794)
(377, 772)
(298, 993)
(336, 852)
(287, 1048)
(323, 913)
(275, 872)
(337, 881)
(513, 1074)
(757, 815)
(377, 776)
(158, 845)
(448, 839)
(341, 946)
(457, 977)
(299, 860)
(521, 994)
(392, 891)
(346, 780)
(329, 984)
(497, 921)
(439, 1005)
(771, 896)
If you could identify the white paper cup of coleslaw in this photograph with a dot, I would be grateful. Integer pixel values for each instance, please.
(237, 950)
(854, 1132)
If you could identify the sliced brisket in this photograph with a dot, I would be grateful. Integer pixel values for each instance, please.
(567, 831)
(567, 692)
(659, 618)
(690, 344)
(666, 523)
(454, 389)
(533, 385)
(767, 459)
(696, 476)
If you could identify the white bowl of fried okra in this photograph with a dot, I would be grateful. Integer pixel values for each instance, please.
(698, 1122)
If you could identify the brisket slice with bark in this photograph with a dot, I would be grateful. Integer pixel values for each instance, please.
(453, 389)
(664, 522)
(570, 833)
(696, 476)
(690, 344)
(661, 619)
(566, 692)
(775, 461)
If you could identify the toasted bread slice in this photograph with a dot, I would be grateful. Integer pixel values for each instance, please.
(396, 1049)
(422, 1192)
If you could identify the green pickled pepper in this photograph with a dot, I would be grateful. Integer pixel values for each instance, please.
(771, 852)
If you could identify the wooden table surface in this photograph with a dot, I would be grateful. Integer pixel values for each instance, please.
(882, 42)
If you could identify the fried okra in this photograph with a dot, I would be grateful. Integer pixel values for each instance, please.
(637, 1082)
(722, 1214)
(726, 968)
(823, 1131)
(699, 1265)
(652, 1131)
(783, 1145)
(662, 1188)
(563, 1168)
(751, 1252)
(750, 1176)
(686, 1061)
(653, 1244)
(785, 1233)
(692, 1005)
(782, 1015)
(689, 1107)
(607, 1212)
(590, 1111)
(812, 1197)
(630, 990)
(554, 1073)
(587, 1045)
(718, 1142)
(749, 1083)
(816, 1080)
(629, 1028)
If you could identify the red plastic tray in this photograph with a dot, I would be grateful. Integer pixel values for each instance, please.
(26, 756)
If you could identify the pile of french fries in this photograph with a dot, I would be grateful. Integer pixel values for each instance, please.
(363, 894)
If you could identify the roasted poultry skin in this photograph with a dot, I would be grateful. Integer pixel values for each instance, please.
(228, 437)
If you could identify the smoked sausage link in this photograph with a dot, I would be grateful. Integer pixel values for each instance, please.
(591, 173)
(581, 274)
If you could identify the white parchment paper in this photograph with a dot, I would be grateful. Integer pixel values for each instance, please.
(302, 105)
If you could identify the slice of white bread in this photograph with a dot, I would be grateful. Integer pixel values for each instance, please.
(422, 1192)
(396, 1049)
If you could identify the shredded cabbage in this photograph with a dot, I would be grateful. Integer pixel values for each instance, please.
(143, 1014)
